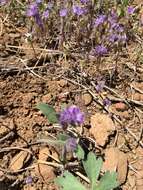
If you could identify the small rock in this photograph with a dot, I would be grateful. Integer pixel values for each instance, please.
(87, 98)
(120, 106)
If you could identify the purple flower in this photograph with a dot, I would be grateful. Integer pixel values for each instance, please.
(46, 14)
(130, 10)
(63, 12)
(100, 85)
(100, 50)
(100, 20)
(106, 102)
(71, 145)
(113, 37)
(71, 115)
(38, 21)
(3, 2)
(84, 1)
(38, 1)
(32, 10)
(50, 5)
(28, 180)
(79, 10)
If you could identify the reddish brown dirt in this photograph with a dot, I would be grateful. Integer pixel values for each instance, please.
(57, 81)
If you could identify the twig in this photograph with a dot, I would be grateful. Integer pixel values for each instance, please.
(7, 149)
(18, 171)
(6, 137)
(56, 52)
(135, 137)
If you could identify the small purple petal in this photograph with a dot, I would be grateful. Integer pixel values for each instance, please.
(63, 12)
(3, 2)
(39, 1)
(113, 38)
(78, 10)
(46, 14)
(84, 1)
(106, 102)
(100, 85)
(100, 20)
(32, 10)
(71, 115)
(130, 10)
(29, 180)
(100, 50)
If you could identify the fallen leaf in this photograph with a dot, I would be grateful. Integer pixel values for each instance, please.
(45, 172)
(111, 160)
(102, 127)
(44, 153)
(19, 160)
(115, 160)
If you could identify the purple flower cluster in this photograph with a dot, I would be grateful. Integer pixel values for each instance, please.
(78, 10)
(63, 12)
(116, 30)
(100, 20)
(99, 50)
(130, 10)
(33, 11)
(71, 116)
(3, 2)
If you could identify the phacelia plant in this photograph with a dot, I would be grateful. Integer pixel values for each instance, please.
(70, 118)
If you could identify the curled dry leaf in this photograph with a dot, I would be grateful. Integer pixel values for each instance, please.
(102, 127)
(19, 160)
(42, 170)
(115, 160)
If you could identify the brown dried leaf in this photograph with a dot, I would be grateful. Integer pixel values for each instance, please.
(43, 153)
(101, 127)
(45, 172)
(115, 160)
(111, 160)
(19, 160)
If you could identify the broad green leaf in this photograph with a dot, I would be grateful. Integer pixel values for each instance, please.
(69, 182)
(92, 167)
(49, 112)
(108, 181)
(79, 152)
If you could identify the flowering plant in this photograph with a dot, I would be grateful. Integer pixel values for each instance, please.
(72, 117)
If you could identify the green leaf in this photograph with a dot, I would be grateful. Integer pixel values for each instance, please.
(49, 112)
(79, 152)
(69, 182)
(92, 167)
(108, 181)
